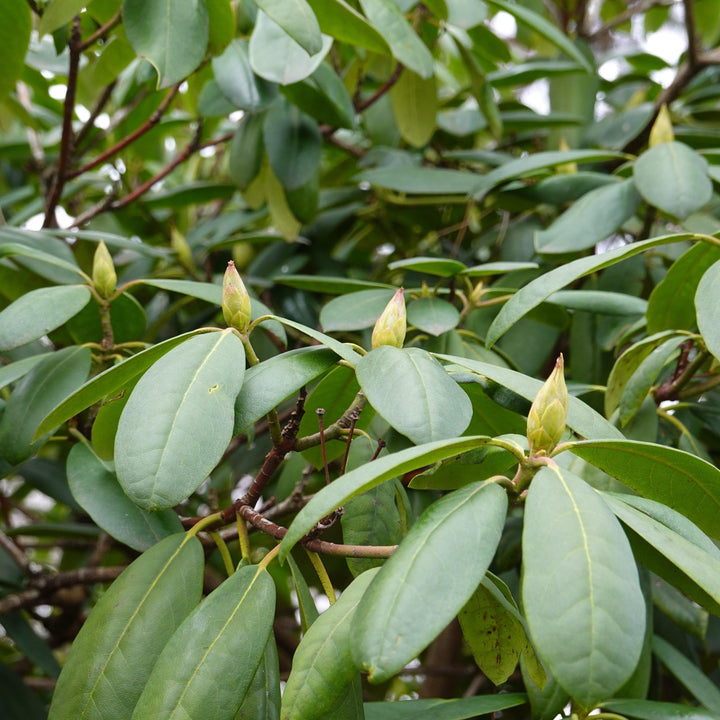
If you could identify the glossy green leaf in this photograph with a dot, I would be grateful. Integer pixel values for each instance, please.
(267, 384)
(179, 420)
(354, 311)
(171, 34)
(428, 580)
(433, 315)
(125, 633)
(654, 710)
(276, 57)
(96, 489)
(56, 376)
(591, 634)
(458, 709)
(429, 265)
(109, 382)
(323, 668)
(421, 180)
(343, 22)
(262, 701)
(415, 105)
(535, 292)
(30, 643)
(497, 268)
(238, 82)
(246, 151)
(306, 604)
(37, 312)
(61, 271)
(674, 178)
(15, 29)
(208, 665)
(686, 614)
(413, 392)
(593, 218)
(221, 25)
(59, 13)
(670, 305)
(297, 19)
(678, 479)
(546, 702)
(330, 285)
(387, 18)
(15, 370)
(706, 304)
(343, 351)
(599, 301)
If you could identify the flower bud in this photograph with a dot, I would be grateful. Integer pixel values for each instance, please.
(180, 245)
(548, 414)
(477, 293)
(104, 277)
(391, 325)
(235, 300)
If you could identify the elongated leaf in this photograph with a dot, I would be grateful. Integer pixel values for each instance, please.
(421, 180)
(15, 370)
(297, 19)
(538, 290)
(415, 105)
(387, 18)
(545, 702)
(11, 249)
(51, 380)
(96, 489)
(363, 478)
(15, 29)
(459, 709)
(109, 382)
(267, 384)
(706, 305)
(413, 392)
(238, 82)
(171, 34)
(207, 666)
(591, 634)
(430, 265)
(179, 420)
(428, 580)
(29, 643)
(125, 633)
(600, 301)
(343, 351)
(262, 701)
(653, 710)
(433, 315)
(323, 668)
(37, 312)
(343, 22)
(59, 13)
(354, 311)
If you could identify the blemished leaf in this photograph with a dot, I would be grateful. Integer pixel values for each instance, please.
(15, 29)
(38, 312)
(413, 392)
(654, 710)
(706, 305)
(458, 709)
(590, 635)
(171, 34)
(676, 478)
(343, 22)
(431, 266)
(56, 376)
(414, 103)
(208, 665)
(238, 82)
(323, 669)
(674, 178)
(96, 489)
(536, 291)
(179, 420)
(354, 311)
(427, 581)
(387, 18)
(276, 57)
(297, 19)
(593, 218)
(125, 633)
(433, 315)
(267, 384)
(262, 701)
(368, 476)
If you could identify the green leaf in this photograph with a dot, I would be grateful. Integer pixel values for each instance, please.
(323, 668)
(306, 604)
(15, 29)
(179, 420)
(58, 13)
(297, 19)
(429, 265)
(706, 303)
(109, 382)
(171, 34)
(208, 665)
(355, 310)
(267, 384)
(459, 709)
(414, 393)
(678, 479)
(387, 18)
(593, 218)
(343, 22)
(546, 702)
(246, 151)
(344, 351)
(19, 701)
(591, 634)
(653, 710)
(221, 25)
(674, 178)
(421, 180)
(96, 489)
(330, 285)
(497, 268)
(262, 701)
(275, 56)
(29, 643)
(56, 376)
(536, 291)
(125, 633)
(544, 28)
(433, 315)
(14, 370)
(368, 476)
(415, 105)
(427, 581)
(10, 249)
(38, 312)
(599, 301)
(237, 81)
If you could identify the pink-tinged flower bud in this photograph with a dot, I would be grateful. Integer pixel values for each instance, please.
(235, 300)
(548, 414)
(391, 326)
(104, 277)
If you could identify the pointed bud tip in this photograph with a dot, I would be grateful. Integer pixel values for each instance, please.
(236, 304)
(391, 326)
(104, 276)
(548, 414)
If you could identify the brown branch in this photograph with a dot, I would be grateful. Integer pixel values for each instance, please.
(101, 31)
(97, 109)
(623, 17)
(336, 430)
(382, 89)
(17, 554)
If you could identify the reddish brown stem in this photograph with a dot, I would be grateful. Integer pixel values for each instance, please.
(382, 89)
(101, 31)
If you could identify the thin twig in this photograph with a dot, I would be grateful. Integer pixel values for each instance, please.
(101, 31)
(97, 109)
(382, 89)
(16, 554)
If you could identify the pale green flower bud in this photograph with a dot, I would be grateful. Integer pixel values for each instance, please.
(477, 293)
(548, 414)
(391, 326)
(235, 300)
(104, 277)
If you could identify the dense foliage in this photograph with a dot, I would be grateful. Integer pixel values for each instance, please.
(281, 284)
